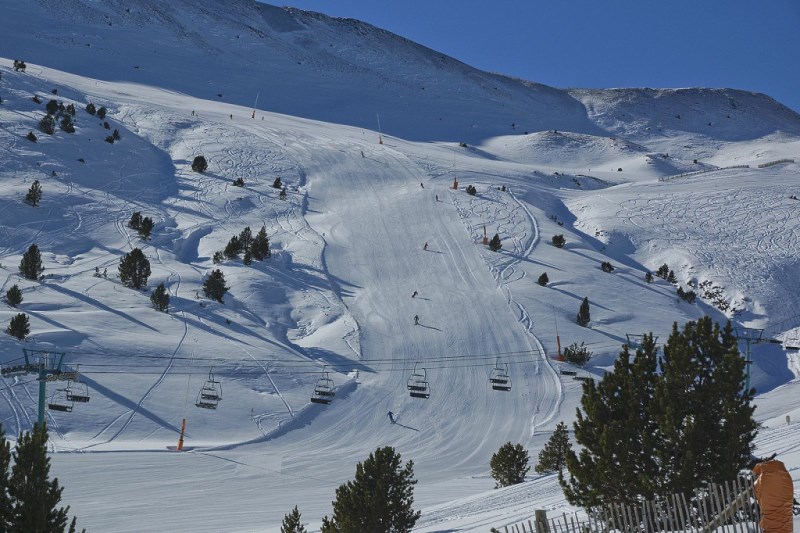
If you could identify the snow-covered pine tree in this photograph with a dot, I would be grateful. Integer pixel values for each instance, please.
(553, 456)
(19, 326)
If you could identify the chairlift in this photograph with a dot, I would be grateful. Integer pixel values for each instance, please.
(417, 385)
(77, 391)
(59, 401)
(792, 344)
(210, 393)
(323, 390)
(499, 378)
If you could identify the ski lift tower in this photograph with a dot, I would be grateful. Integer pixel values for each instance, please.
(750, 336)
(47, 365)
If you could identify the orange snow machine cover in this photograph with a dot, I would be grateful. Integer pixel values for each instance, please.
(774, 492)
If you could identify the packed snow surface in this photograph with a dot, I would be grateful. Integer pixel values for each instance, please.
(638, 178)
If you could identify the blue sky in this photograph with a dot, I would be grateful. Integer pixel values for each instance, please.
(605, 43)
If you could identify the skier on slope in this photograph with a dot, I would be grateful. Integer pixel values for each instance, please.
(414, 295)
(425, 247)
(391, 417)
(416, 320)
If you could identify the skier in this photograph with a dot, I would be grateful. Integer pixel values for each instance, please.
(437, 197)
(416, 320)
(421, 185)
(105, 273)
(414, 295)
(97, 272)
(391, 417)
(362, 153)
(425, 247)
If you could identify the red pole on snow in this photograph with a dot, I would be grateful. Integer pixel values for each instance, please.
(455, 184)
(485, 237)
(183, 431)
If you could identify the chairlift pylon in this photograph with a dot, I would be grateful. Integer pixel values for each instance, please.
(59, 401)
(323, 389)
(210, 393)
(417, 385)
(499, 378)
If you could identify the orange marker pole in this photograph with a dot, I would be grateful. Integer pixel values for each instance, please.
(455, 184)
(485, 237)
(183, 431)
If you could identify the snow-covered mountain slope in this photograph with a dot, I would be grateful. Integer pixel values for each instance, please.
(349, 251)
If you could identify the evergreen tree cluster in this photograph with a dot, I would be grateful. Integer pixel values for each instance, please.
(143, 225)
(199, 164)
(509, 465)
(471, 190)
(251, 247)
(606, 266)
(48, 125)
(378, 500)
(664, 272)
(28, 498)
(238, 182)
(663, 425)
(687, 296)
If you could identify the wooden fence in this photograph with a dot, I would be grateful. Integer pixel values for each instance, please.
(698, 172)
(728, 507)
(778, 161)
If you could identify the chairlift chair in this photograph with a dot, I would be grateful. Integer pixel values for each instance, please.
(499, 377)
(210, 393)
(792, 344)
(417, 384)
(323, 390)
(78, 392)
(59, 401)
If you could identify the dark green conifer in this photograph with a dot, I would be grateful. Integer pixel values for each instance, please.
(495, 244)
(134, 269)
(160, 298)
(291, 522)
(583, 313)
(214, 286)
(509, 465)
(543, 280)
(14, 296)
(260, 245)
(30, 266)
(553, 456)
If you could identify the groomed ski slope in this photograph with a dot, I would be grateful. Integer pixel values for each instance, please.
(348, 254)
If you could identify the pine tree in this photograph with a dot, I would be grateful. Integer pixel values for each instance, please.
(19, 326)
(663, 271)
(6, 504)
(246, 239)
(31, 137)
(247, 258)
(583, 313)
(35, 497)
(291, 522)
(14, 296)
(606, 266)
(577, 355)
(101, 113)
(146, 228)
(277, 183)
(214, 287)
(558, 241)
(543, 280)
(615, 427)
(70, 109)
(160, 298)
(34, 195)
(509, 465)
(379, 500)
(282, 194)
(705, 418)
(30, 266)
(553, 456)
(51, 107)
(134, 269)
(67, 124)
(233, 248)
(260, 245)
(48, 125)
(199, 164)
(115, 134)
(91, 109)
(136, 220)
(495, 244)
(671, 277)
(648, 277)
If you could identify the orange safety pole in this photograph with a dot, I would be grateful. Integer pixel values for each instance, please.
(485, 237)
(455, 184)
(183, 431)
